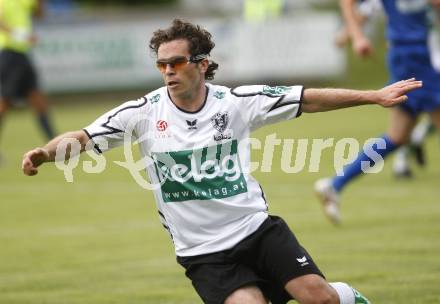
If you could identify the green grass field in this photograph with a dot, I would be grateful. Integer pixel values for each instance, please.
(99, 240)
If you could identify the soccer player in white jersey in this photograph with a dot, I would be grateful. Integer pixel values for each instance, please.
(214, 210)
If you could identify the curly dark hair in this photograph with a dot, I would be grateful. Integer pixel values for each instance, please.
(199, 41)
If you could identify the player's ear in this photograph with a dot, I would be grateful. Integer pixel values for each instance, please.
(204, 65)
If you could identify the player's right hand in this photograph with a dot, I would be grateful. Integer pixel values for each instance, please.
(33, 159)
(362, 47)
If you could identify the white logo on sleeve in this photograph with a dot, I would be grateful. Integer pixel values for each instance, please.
(302, 261)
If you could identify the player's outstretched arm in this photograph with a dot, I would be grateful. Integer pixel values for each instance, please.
(36, 157)
(319, 100)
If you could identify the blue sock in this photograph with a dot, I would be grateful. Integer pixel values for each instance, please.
(43, 119)
(355, 168)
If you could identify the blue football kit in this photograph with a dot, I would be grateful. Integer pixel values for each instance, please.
(408, 28)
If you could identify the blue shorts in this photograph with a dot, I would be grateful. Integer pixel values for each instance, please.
(407, 61)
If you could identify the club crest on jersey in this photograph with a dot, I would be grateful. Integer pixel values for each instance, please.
(220, 122)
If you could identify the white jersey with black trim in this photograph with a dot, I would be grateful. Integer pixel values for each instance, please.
(199, 161)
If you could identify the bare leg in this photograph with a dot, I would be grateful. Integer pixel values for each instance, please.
(401, 125)
(39, 104)
(247, 294)
(435, 118)
(4, 106)
(312, 288)
(399, 131)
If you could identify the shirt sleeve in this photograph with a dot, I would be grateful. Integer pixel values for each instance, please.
(265, 105)
(110, 130)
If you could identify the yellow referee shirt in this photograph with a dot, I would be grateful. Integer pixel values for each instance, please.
(17, 16)
(257, 11)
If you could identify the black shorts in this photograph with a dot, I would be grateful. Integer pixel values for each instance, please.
(268, 258)
(17, 75)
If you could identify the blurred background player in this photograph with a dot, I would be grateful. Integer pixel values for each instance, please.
(366, 14)
(18, 77)
(408, 56)
(401, 164)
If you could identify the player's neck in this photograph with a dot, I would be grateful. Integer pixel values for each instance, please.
(193, 100)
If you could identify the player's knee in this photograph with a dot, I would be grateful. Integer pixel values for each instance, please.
(248, 294)
(312, 289)
(399, 139)
(320, 296)
(325, 298)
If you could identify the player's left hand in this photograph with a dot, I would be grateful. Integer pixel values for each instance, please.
(395, 93)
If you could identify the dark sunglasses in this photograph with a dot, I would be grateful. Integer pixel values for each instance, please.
(178, 63)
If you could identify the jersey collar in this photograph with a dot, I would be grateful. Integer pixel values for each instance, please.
(191, 112)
